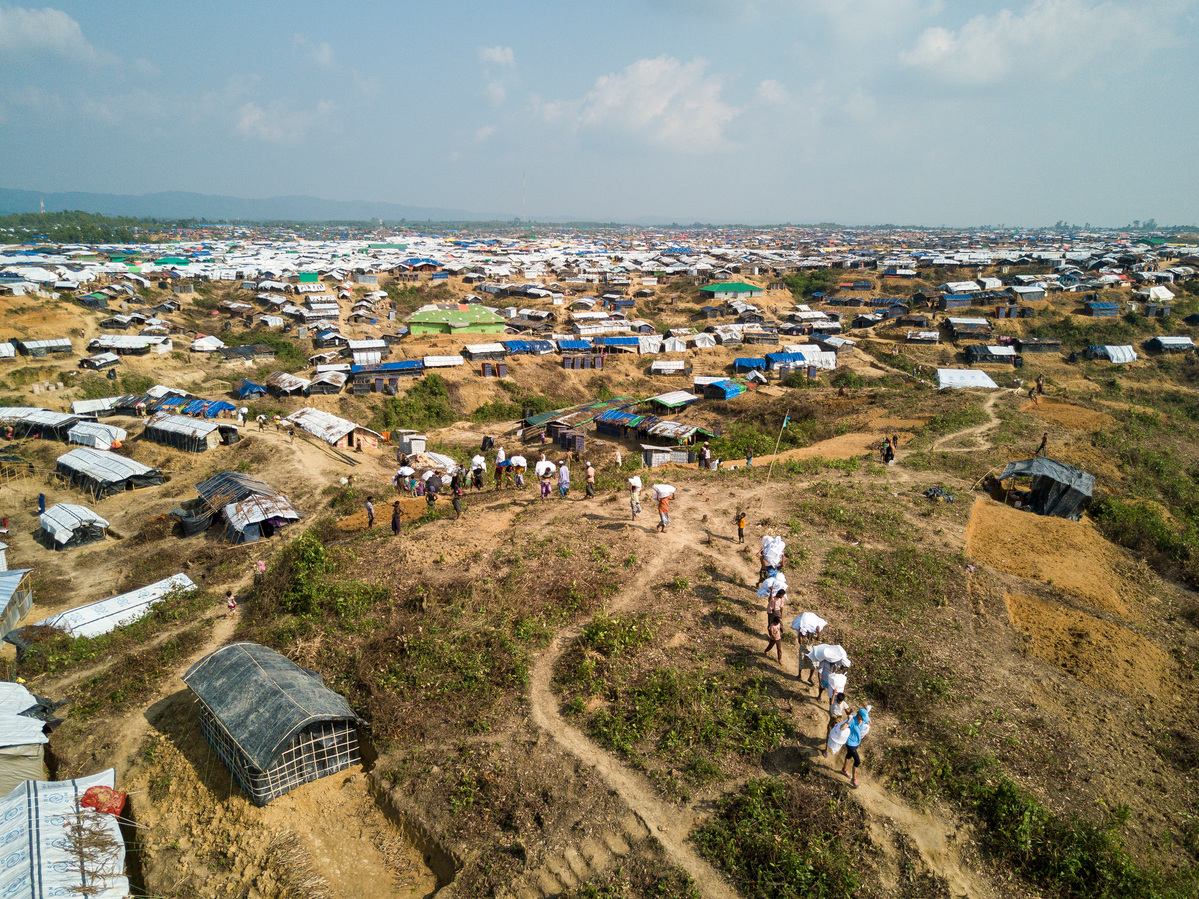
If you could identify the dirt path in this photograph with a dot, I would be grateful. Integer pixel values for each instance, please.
(666, 822)
(976, 431)
(932, 838)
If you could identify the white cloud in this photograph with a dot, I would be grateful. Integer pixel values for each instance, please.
(672, 104)
(280, 126)
(499, 73)
(772, 93)
(497, 56)
(319, 54)
(32, 32)
(1047, 39)
(485, 132)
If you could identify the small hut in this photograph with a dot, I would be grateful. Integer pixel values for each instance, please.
(1056, 488)
(273, 724)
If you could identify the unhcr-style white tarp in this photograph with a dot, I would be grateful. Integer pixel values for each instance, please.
(60, 521)
(108, 614)
(1121, 354)
(94, 434)
(964, 377)
(37, 859)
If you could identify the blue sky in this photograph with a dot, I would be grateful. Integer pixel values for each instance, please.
(762, 111)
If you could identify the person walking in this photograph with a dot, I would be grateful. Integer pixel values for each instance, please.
(230, 604)
(395, 518)
(664, 512)
(370, 511)
(635, 496)
(1043, 449)
(807, 627)
(589, 481)
(563, 480)
(740, 519)
(456, 492)
(705, 457)
(1041, 385)
(774, 634)
(749, 457)
(838, 708)
(619, 459)
(857, 726)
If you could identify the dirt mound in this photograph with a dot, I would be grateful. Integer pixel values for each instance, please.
(1068, 554)
(1067, 415)
(1097, 652)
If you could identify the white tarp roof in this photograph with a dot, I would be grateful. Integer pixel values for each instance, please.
(964, 377)
(443, 361)
(39, 862)
(91, 433)
(7, 350)
(107, 614)
(1175, 341)
(207, 344)
(61, 520)
(1001, 350)
(101, 465)
(1121, 354)
(181, 424)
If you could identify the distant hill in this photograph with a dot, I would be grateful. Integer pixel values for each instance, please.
(183, 205)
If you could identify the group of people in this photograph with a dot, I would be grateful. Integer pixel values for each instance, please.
(827, 665)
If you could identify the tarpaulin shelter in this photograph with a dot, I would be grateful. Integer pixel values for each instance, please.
(273, 724)
(182, 432)
(252, 509)
(103, 474)
(16, 598)
(40, 859)
(108, 614)
(1057, 489)
(67, 526)
(246, 387)
(96, 435)
(22, 738)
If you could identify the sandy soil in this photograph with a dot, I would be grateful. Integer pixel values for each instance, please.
(1070, 555)
(1099, 653)
(1068, 415)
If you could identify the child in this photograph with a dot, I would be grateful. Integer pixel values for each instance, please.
(230, 604)
(370, 511)
(740, 527)
(837, 710)
(774, 633)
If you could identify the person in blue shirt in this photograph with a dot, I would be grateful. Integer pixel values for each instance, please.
(859, 726)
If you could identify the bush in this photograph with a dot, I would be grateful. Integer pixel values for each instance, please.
(777, 839)
(288, 354)
(425, 405)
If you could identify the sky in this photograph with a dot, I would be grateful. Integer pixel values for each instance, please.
(916, 112)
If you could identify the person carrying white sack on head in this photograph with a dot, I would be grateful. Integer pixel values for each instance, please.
(771, 557)
(807, 627)
(635, 496)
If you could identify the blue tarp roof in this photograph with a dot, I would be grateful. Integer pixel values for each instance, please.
(249, 388)
(405, 365)
(728, 389)
(542, 346)
(784, 358)
(574, 344)
(616, 341)
(743, 364)
(517, 346)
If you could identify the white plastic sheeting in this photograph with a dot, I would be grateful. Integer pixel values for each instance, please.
(38, 862)
(61, 520)
(107, 614)
(964, 377)
(772, 585)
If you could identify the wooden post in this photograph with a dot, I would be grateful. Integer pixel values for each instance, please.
(774, 456)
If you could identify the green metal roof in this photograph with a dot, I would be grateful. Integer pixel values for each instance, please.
(457, 316)
(732, 287)
(309, 277)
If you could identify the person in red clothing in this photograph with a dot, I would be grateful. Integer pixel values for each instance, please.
(663, 512)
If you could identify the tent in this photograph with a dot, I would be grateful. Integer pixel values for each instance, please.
(1057, 489)
(245, 388)
(67, 525)
(272, 723)
(1117, 355)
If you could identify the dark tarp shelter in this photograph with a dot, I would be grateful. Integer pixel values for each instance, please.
(251, 508)
(1057, 489)
(272, 723)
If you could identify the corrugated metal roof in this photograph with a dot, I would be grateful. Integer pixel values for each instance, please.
(326, 426)
(254, 509)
